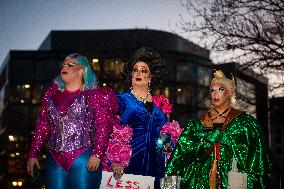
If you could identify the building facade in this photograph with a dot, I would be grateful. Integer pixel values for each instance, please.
(277, 131)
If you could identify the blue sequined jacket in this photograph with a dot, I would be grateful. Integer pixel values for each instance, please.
(145, 159)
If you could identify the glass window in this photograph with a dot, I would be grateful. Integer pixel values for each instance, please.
(246, 97)
(95, 64)
(167, 92)
(186, 72)
(113, 68)
(276, 129)
(20, 93)
(203, 97)
(278, 139)
(170, 66)
(18, 116)
(279, 150)
(45, 69)
(203, 75)
(38, 91)
(186, 95)
(22, 70)
(16, 165)
(27, 93)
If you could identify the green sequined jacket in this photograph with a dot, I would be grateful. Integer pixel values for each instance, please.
(240, 136)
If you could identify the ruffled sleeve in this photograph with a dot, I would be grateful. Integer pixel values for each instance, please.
(242, 138)
(251, 151)
(42, 129)
(192, 146)
(104, 103)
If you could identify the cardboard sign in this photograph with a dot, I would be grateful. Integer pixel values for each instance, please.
(127, 181)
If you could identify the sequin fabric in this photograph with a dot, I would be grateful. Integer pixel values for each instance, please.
(87, 133)
(145, 160)
(71, 129)
(192, 158)
(170, 182)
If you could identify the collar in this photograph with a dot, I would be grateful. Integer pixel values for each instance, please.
(207, 122)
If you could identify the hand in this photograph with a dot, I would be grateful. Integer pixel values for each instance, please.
(93, 163)
(117, 170)
(30, 165)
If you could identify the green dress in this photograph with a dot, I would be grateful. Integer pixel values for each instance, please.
(240, 136)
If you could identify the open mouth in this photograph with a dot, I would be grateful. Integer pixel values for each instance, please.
(138, 79)
(63, 72)
(216, 99)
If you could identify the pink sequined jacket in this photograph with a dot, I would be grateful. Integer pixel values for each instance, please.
(72, 122)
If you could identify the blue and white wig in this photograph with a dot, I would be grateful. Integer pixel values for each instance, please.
(90, 80)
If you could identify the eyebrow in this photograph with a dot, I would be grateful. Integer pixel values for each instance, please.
(68, 62)
(140, 66)
(217, 88)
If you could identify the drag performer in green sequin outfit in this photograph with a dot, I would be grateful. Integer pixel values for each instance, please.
(204, 153)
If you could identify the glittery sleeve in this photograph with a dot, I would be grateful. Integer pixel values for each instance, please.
(251, 150)
(191, 146)
(104, 103)
(42, 129)
(242, 138)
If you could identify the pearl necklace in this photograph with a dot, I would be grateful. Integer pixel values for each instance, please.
(142, 98)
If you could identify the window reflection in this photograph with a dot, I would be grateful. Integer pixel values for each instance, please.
(95, 64)
(246, 97)
(38, 91)
(170, 67)
(45, 69)
(204, 76)
(20, 93)
(113, 68)
(186, 72)
(26, 70)
(203, 97)
(167, 92)
(186, 94)
(27, 93)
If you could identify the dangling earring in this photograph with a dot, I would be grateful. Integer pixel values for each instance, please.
(85, 75)
(149, 85)
(84, 80)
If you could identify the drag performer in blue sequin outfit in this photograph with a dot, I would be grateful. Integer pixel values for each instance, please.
(145, 72)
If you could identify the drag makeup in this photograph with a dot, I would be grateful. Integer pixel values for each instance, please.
(140, 74)
(219, 95)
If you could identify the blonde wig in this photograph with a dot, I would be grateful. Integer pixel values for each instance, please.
(229, 84)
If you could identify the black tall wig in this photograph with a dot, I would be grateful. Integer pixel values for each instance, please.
(155, 63)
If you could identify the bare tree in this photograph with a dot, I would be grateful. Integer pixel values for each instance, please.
(252, 31)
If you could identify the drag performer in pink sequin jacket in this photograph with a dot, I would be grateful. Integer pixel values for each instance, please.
(76, 126)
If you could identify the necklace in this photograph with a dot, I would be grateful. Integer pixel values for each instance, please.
(141, 98)
(221, 115)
